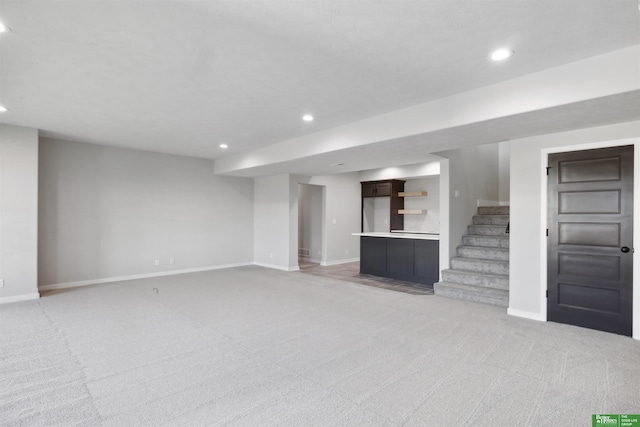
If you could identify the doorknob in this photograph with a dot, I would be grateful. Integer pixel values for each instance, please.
(624, 249)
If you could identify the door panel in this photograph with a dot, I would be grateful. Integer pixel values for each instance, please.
(589, 202)
(608, 300)
(589, 234)
(589, 170)
(590, 199)
(583, 265)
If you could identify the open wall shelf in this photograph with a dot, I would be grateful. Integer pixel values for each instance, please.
(412, 211)
(412, 193)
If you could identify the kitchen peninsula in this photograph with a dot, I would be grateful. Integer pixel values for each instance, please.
(404, 256)
(386, 249)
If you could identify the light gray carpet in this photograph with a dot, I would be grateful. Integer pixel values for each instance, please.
(257, 347)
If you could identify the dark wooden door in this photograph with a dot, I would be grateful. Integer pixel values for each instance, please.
(589, 248)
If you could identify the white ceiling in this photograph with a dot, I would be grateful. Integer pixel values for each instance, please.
(181, 77)
(420, 148)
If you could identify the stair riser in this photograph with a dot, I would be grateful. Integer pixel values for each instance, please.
(484, 230)
(477, 280)
(500, 301)
(491, 220)
(493, 210)
(483, 253)
(480, 266)
(487, 241)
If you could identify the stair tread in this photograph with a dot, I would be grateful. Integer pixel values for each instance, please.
(474, 278)
(472, 293)
(484, 247)
(483, 252)
(495, 210)
(492, 236)
(478, 273)
(493, 261)
(500, 238)
(475, 288)
(490, 220)
(488, 229)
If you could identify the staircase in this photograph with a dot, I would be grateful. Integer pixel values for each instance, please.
(480, 272)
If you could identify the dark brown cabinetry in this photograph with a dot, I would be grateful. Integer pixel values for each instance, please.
(386, 188)
(412, 260)
(376, 189)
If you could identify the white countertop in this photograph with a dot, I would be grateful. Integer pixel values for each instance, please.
(396, 235)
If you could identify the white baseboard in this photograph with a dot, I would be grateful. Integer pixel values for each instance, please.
(276, 267)
(18, 298)
(136, 276)
(339, 261)
(527, 314)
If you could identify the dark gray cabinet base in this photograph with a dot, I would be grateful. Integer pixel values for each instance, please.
(412, 260)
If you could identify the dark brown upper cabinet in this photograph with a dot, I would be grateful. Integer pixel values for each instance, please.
(376, 189)
(386, 188)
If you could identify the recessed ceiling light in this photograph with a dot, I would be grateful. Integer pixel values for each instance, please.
(223, 146)
(4, 28)
(500, 54)
(307, 118)
(3, 108)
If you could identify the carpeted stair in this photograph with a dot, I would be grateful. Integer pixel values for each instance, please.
(480, 272)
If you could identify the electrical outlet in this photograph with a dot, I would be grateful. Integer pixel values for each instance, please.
(1, 283)
(172, 260)
(346, 251)
(157, 262)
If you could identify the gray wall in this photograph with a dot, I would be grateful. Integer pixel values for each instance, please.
(276, 219)
(527, 253)
(109, 212)
(504, 150)
(474, 174)
(18, 213)
(429, 222)
(271, 222)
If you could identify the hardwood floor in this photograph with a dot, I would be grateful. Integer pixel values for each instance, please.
(350, 272)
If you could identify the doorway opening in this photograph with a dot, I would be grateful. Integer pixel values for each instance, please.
(310, 225)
